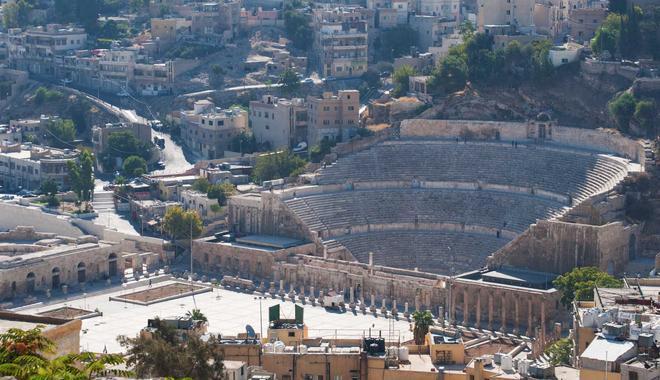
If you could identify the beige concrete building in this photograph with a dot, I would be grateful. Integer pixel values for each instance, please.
(64, 333)
(583, 22)
(341, 43)
(169, 30)
(208, 130)
(333, 116)
(516, 13)
(27, 166)
(281, 123)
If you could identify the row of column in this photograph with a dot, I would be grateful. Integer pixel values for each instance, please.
(486, 313)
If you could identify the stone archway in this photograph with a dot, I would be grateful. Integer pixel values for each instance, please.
(30, 282)
(55, 279)
(82, 272)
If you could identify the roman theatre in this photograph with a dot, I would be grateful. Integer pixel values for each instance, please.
(472, 220)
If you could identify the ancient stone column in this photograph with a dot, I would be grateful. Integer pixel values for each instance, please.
(371, 259)
(477, 323)
(372, 304)
(405, 310)
(529, 317)
(503, 327)
(281, 287)
(395, 312)
(312, 299)
(416, 303)
(490, 311)
(542, 321)
(383, 310)
(441, 315)
(452, 308)
(363, 306)
(466, 308)
(351, 298)
(516, 327)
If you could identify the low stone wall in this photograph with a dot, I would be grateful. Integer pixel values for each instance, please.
(34, 217)
(595, 67)
(606, 141)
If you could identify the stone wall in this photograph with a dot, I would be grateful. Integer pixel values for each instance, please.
(607, 141)
(33, 216)
(558, 247)
(594, 67)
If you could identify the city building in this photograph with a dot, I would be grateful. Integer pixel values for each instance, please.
(341, 43)
(519, 14)
(64, 333)
(35, 49)
(27, 166)
(564, 54)
(442, 8)
(215, 22)
(170, 30)
(12, 82)
(431, 30)
(333, 117)
(583, 22)
(278, 122)
(208, 130)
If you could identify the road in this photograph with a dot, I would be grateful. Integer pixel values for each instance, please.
(173, 156)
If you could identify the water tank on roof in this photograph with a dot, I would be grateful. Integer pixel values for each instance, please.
(507, 363)
(403, 353)
(392, 352)
(302, 349)
(279, 346)
(268, 348)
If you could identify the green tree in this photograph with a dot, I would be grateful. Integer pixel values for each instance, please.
(400, 79)
(422, 321)
(245, 142)
(298, 30)
(49, 189)
(579, 284)
(645, 114)
(163, 354)
(123, 144)
(201, 184)
(396, 42)
(134, 166)
(217, 75)
(81, 175)
(290, 82)
(221, 192)
(618, 6)
(450, 76)
(178, 223)
(61, 133)
(622, 109)
(560, 352)
(44, 95)
(196, 315)
(277, 165)
(22, 356)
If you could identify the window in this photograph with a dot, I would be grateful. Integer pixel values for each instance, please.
(326, 108)
(292, 334)
(267, 127)
(632, 375)
(211, 123)
(266, 115)
(351, 108)
(326, 122)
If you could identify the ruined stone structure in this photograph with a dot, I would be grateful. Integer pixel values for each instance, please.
(33, 262)
(396, 222)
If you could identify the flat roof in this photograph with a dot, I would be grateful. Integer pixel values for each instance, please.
(607, 349)
(227, 311)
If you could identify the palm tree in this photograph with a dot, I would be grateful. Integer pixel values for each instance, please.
(196, 315)
(21, 356)
(423, 320)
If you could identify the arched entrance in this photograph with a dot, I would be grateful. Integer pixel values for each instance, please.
(632, 247)
(112, 265)
(30, 281)
(82, 275)
(55, 278)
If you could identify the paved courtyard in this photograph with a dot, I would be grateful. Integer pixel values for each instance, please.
(228, 313)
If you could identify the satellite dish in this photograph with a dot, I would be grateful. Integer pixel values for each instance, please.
(250, 332)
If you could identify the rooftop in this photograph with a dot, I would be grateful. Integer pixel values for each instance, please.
(228, 312)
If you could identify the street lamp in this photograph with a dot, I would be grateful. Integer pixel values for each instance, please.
(261, 326)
